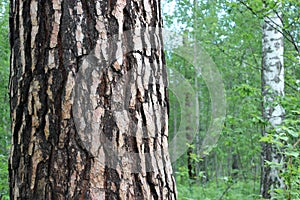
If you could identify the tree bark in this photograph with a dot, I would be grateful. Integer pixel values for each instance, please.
(65, 109)
(272, 89)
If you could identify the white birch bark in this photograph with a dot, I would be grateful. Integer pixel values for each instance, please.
(272, 89)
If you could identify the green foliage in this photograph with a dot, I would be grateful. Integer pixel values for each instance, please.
(4, 100)
(230, 32)
(291, 144)
(3, 177)
(212, 191)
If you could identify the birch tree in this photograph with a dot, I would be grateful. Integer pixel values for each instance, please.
(273, 112)
(53, 156)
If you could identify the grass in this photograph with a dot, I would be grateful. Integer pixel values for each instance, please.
(225, 190)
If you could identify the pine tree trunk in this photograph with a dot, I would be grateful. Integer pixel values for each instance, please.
(61, 152)
(272, 89)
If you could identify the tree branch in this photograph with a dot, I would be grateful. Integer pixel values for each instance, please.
(286, 34)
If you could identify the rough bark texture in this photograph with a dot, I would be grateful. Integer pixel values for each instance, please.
(50, 158)
(272, 88)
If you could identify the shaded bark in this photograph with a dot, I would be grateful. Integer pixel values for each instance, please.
(50, 157)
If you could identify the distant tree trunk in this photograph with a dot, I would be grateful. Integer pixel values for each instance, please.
(175, 106)
(191, 164)
(50, 42)
(229, 157)
(235, 166)
(191, 148)
(272, 88)
(216, 169)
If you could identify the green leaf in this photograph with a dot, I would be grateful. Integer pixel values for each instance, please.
(292, 153)
(267, 139)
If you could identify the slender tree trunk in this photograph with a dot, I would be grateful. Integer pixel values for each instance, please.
(197, 90)
(235, 166)
(175, 106)
(229, 157)
(59, 152)
(216, 169)
(272, 88)
(190, 137)
(191, 148)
